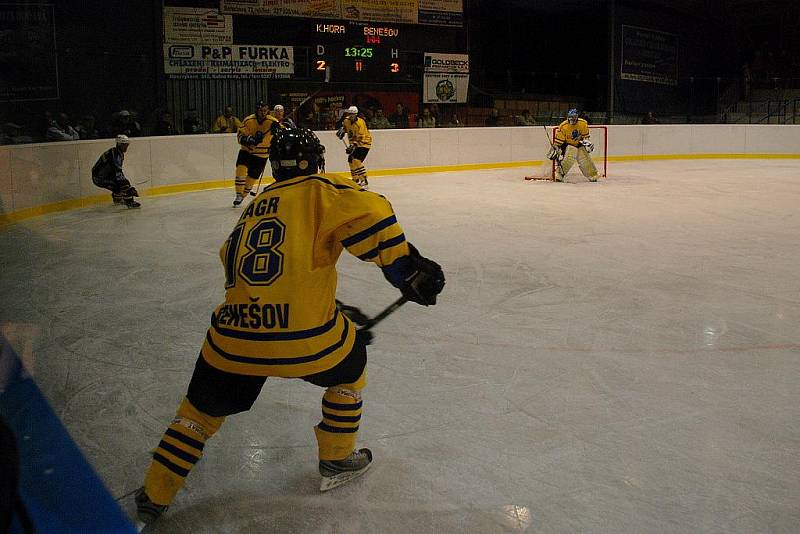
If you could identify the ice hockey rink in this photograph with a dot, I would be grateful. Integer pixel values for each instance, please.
(613, 357)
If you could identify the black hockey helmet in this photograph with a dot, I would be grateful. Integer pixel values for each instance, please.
(295, 152)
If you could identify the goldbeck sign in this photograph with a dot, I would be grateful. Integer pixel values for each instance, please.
(446, 78)
(456, 63)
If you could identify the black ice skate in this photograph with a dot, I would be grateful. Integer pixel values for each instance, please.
(117, 199)
(132, 204)
(337, 472)
(237, 200)
(147, 510)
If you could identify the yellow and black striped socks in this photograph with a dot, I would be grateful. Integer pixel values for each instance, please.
(178, 451)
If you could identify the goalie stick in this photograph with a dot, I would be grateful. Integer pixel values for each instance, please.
(556, 161)
(297, 108)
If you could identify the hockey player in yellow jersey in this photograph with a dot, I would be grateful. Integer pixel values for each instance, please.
(254, 136)
(572, 142)
(359, 140)
(280, 317)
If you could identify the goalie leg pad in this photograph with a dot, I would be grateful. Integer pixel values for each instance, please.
(587, 165)
(567, 163)
(180, 448)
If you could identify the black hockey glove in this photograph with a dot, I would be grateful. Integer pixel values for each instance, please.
(424, 280)
(253, 140)
(364, 336)
(350, 149)
(352, 313)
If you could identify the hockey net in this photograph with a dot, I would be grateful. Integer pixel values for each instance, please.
(598, 135)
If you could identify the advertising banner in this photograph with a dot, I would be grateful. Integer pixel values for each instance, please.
(400, 11)
(28, 60)
(649, 56)
(197, 25)
(284, 8)
(447, 63)
(228, 61)
(431, 12)
(441, 12)
(445, 88)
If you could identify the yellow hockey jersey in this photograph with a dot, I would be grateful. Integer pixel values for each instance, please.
(357, 132)
(279, 317)
(572, 134)
(250, 126)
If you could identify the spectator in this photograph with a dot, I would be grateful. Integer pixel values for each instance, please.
(585, 116)
(227, 122)
(86, 128)
(650, 118)
(493, 119)
(12, 135)
(308, 120)
(400, 117)
(61, 130)
(123, 123)
(369, 115)
(379, 121)
(454, 121)
(164, 125)
(427, 120)
(191, 124)
(525, 119)
(435, 112)
(327, 117)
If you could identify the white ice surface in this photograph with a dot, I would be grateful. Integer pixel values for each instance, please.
(612, 357)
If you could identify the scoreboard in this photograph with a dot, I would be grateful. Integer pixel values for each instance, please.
(355, 51)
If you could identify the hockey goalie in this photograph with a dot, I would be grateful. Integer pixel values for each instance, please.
(572, 143)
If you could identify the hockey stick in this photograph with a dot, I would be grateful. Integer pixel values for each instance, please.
(556, 161)
(312, 95)
(384, 314)
(552, 144)
(254, 192)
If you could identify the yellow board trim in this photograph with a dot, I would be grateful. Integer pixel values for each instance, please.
(66, 205)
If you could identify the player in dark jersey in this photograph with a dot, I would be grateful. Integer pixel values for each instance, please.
(107, 173)
(280, 317)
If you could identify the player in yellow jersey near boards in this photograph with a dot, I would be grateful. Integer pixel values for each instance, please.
(280, 317)
(360, 141)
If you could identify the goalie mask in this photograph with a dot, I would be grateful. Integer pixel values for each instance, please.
(572, 116)
(295, 152)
